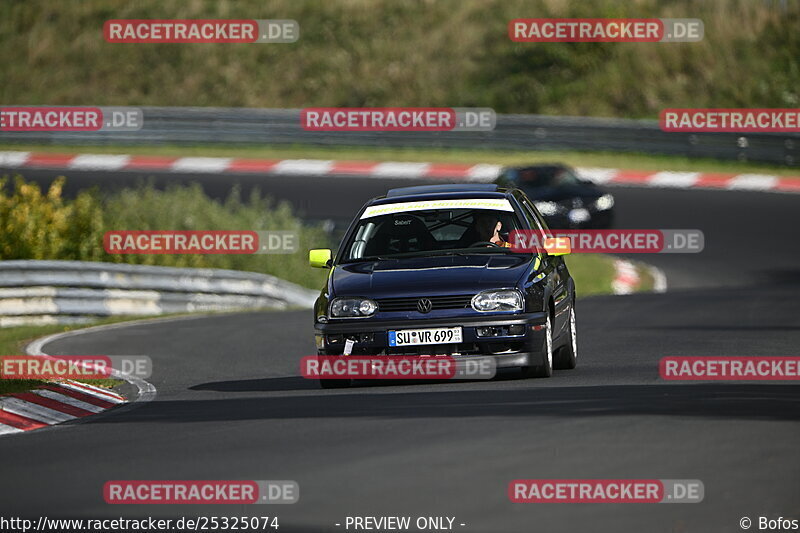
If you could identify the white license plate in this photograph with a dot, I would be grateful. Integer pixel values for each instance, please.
(414, 337)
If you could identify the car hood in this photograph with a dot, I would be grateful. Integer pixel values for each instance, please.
(419, 276)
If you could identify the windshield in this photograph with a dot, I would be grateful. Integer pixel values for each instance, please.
(430, 232)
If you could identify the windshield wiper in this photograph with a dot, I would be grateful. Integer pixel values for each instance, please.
(369, 258)
(487, 249)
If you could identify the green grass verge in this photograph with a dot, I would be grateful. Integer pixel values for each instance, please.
(593, 273)
(13, 342)
(634, 161)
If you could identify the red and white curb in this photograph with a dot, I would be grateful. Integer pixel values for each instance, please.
(388, 169)
(66, 400)
(627, 279)
(216, 165)
(52, 404)
(692, 180)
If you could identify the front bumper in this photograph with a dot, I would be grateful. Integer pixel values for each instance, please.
(371, 337)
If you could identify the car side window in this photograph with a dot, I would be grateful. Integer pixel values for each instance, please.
(537, 223)
(541, 220)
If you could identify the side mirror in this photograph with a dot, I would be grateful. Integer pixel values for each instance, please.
(319, 258)
(557, 245)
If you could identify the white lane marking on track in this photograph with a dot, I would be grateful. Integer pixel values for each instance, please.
(69, 400)
(757, 182)
(598, 175)
(659, 279)
(14, 159)
(392, 169)
(201, 164)
(100, 395)
(674, 179)
(303, 166)
(484, 173)
(95, 388)
(34, 411)
(626, 278)
(7, 430)
(98, 162)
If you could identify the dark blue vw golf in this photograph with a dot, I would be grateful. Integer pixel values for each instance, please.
(429, 271)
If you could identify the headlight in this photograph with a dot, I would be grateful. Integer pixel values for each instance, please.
(604, 202)
(352, 307)
(497, 300)
(547, 208)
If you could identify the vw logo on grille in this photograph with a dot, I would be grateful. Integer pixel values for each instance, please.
(424, 305)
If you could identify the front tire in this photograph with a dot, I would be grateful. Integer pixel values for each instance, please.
(545, 369)
(567, 357)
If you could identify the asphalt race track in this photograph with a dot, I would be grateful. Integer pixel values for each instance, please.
(231, 404)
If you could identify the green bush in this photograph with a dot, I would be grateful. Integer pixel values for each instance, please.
(34, 225)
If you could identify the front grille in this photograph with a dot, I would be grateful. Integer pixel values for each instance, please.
(464, 348)
(461, 301)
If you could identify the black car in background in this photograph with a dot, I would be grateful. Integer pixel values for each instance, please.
(564, 199)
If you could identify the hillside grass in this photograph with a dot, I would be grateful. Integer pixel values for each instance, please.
(410, 53)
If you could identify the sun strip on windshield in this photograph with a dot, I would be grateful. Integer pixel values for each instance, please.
(495, 204)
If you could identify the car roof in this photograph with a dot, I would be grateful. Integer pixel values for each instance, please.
(450, 187)
(451, 191)
(539, 166)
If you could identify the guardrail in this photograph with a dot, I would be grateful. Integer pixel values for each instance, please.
(192, 125)
(42, 292)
